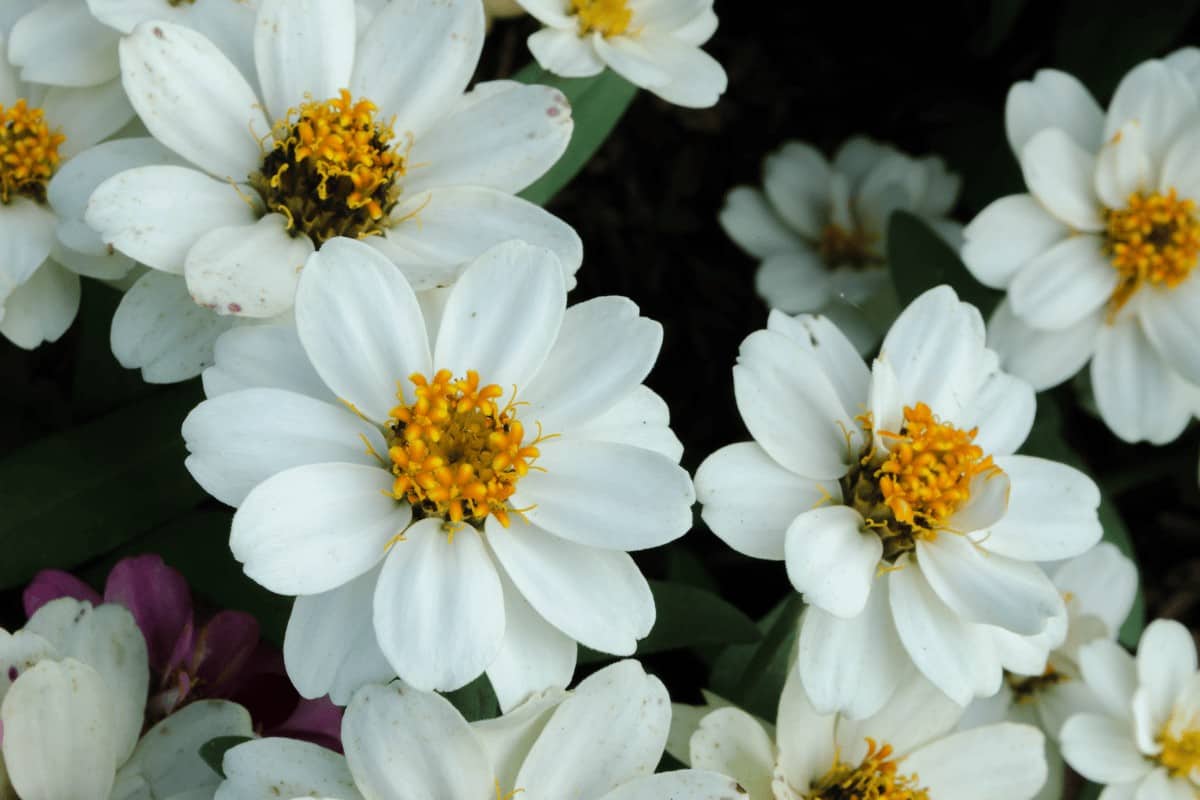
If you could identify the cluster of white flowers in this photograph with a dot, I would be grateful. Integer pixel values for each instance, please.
(448, 465)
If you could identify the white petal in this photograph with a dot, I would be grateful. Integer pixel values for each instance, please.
(749, 500)
(603, 350)
(26, 235)
(504, 139)
(36, 44)
(160, 330)
(731, 742)
(917, 713)
(794, 281)
(360, 324)
(1122, 167)
(1051, 511)
(851, 665)
(754, 225)
(330, 646)
(605, 495)
(1063, 285)
(42, 308)
(791, 406)
(986, 505)
(551, 13)
(1160, 99)
(564, 53)
(57, 720)
(1181, 166)
(690, 783)
(248, 270)
(192, 99)
(238, 440)
(284, 768)
(1103, 582)
(404, 39)
(534, 655)
(1111, 674)
(831, 560)
(1053, 99)
(838, 356)
(438, 232)
(87, 116)
(612, 729)
(1138, 395)
(996, 762)
(155, 214)
(597, 597)
(1166, 660)
(1101, 749)
(700, 29)
(796, 179)
(1006, 236)
(509, 737)
(439, 608)
(628, 58)
(1044, 358)
(1170, 325)
(1003, 411)
(168, 756)
(1059, 174)
(267, 356)
(805, 738)
(987, 588)
(313, 528)
(303, 48)
(678, 72)
(641, 418)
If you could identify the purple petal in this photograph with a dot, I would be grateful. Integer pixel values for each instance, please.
(317, 721)
(223, 651)
(51, 584)
(182, 653)
(159, 599)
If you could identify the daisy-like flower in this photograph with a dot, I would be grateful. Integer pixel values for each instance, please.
(1099, 589)
(446, 495)
(894, 497)
(819, 227)
(1144, 742)
(1099, 258)
(601, 741)
(906, 751)
(366, 136)
(654, 44)
(73, 683)
(44, 245)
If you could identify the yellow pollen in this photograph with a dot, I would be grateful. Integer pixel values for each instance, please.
(28, 152)
(1180, 754)
(1155, 240)
(876, 778)
(839, 247)
(455, 452)
(606, 17)
(333, 169)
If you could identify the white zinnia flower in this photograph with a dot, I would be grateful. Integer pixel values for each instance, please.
(905, 751)
(352, 135)
(1145, 742)
(601, 741)
(1099, 258)
(74, 683)
(469, 502)
(652, 43)
(896, 501)
(820, 227)
(44, 245)
(1099, 588)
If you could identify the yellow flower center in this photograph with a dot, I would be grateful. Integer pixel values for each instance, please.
(1025, 688)
(911, 491)
(28, 152)
(606, 17)
(876, 778)
(455, 452)
(839, 247)
(1154, 240)
(333, 170)
(1180, 754)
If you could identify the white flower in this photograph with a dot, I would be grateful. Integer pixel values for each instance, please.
(906, 751)
(1146, 739)
(896, 501)
(1099, 258)
(74, 683)
(364, 136)
(1099, 589)
(469, 503)
(820, 227)
(44, 244)
(601, 741)
(652, 43)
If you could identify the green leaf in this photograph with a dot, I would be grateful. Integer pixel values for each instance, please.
(476, 700)
(920, 260)
(213, 751)
(72, 496)
(752, 676)
(100, 384)
(597, 104)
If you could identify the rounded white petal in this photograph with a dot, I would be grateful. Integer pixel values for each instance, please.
(1111, 674)
(986, 505)
(284, 768)
(1006, 236)
(731, 742)
(42, 308)
(1063, 285)
(918, 712)
(831, 560)
(87, 116)
(1157, 97)
(1043, 358)
(26, 236)
(312, 528)
(1122, 167)
(266, 356)
(805, 738)
(1051, 511)
(1003, 411)
(678, 72)
(641, 418)
(1053, 99)
(1102, 749)
(794, 281)
(690, 783)
(1139, 396)
(508, 738)
(168, 758)
(995, 762)
(1181, 166)
(193, 99)
(303, 49)
(564, 53)
(1171, 326)
(796, 179)
(60, 43)
(1060, 173)
(439, 608)
(1166, 661)
(1103, 582)
(754, 225)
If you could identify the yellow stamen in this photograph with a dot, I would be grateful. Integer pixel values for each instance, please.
(1180, 754)
(28, 152)
(876, 778)
(839, 247)
(1154, 240)
(606, 17)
